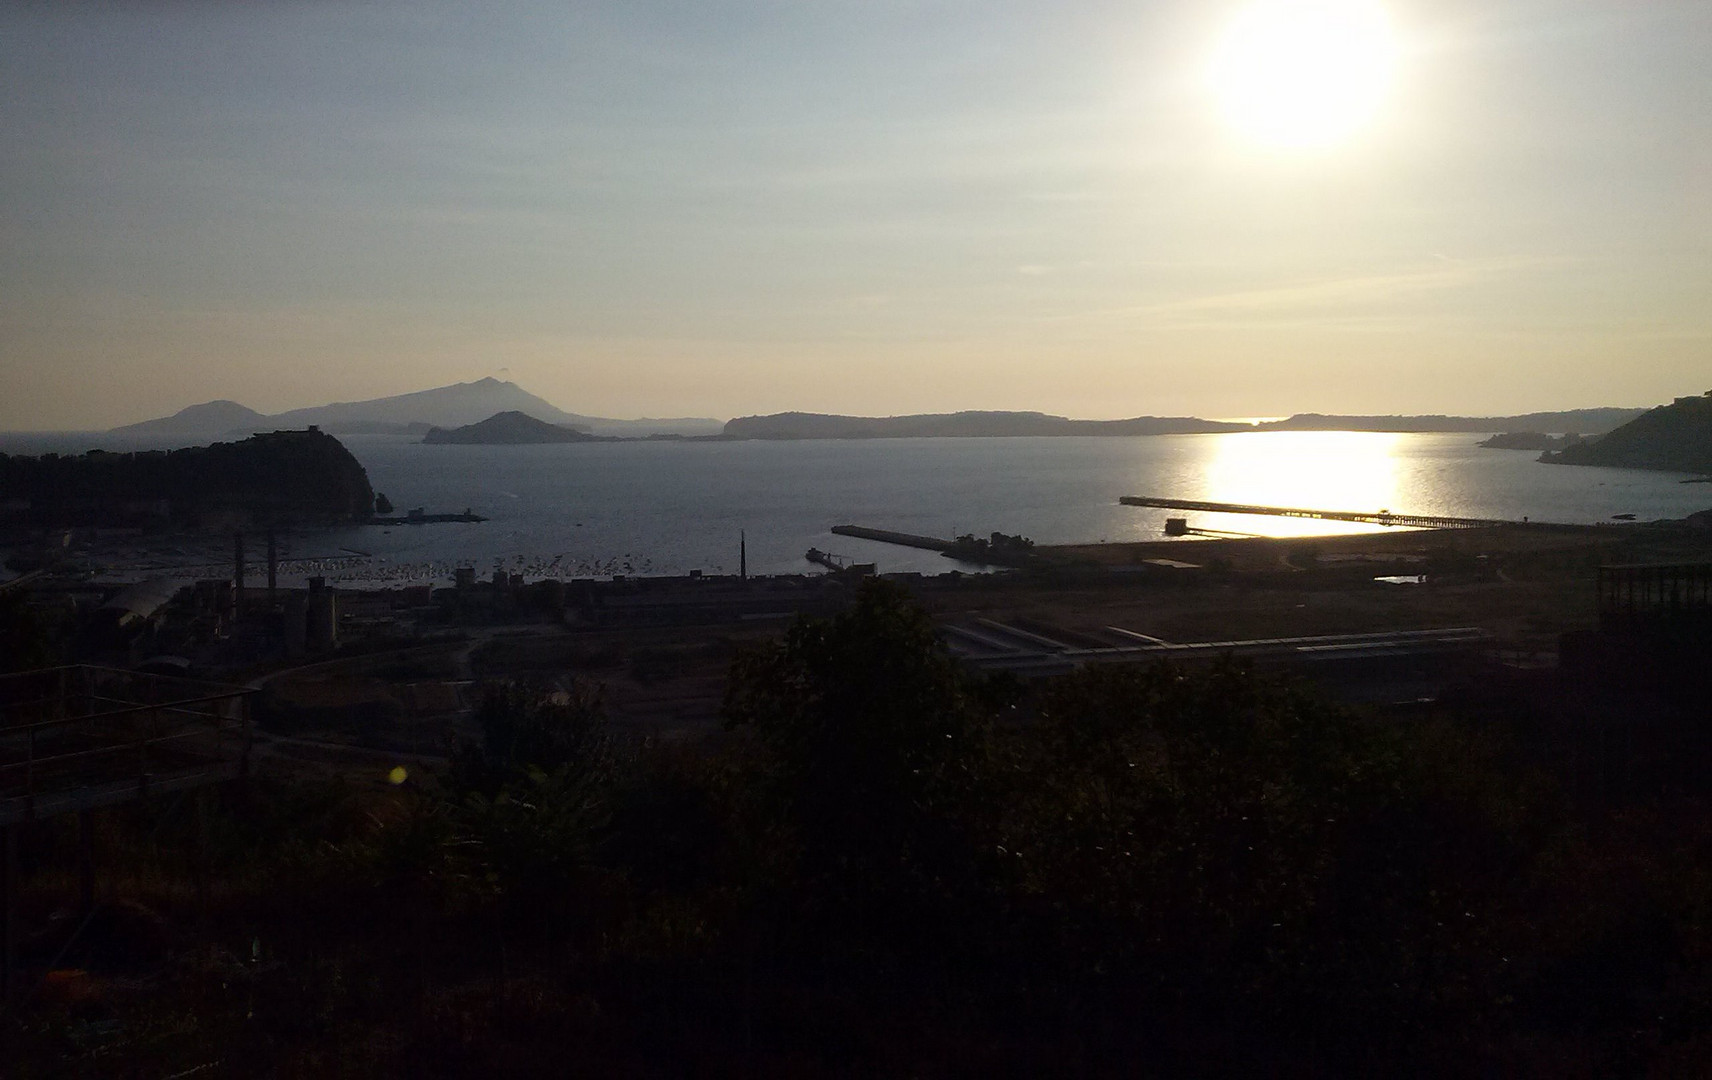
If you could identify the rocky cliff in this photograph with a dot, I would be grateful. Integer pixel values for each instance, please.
(282, 476)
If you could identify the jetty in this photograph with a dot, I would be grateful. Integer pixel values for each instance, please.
(417, 517)
(1000, 550)
(886, 536)
(1380, 517)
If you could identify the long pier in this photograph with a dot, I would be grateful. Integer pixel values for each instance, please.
(1382, 517)
(886, 536)
(424, 519)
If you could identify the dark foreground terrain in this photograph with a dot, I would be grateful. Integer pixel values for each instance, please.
(878, 863)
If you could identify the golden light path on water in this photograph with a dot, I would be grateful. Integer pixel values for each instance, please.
(1317, 470)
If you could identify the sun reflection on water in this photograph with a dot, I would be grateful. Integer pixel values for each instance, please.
(1315, 470)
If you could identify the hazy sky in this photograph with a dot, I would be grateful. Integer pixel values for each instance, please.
(713, 209)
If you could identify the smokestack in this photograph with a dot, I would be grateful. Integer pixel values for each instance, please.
(273, 567)
(238, 572)
(742, 555)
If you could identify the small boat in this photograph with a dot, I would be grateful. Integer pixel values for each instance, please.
(1622, 517)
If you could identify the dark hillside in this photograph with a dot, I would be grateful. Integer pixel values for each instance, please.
(280, 476)
(1676, 437)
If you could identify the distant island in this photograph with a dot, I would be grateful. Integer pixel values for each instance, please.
(511, 428)
(282, 476)
(797, 425)
(1531, 440)
(402, 414)
(1675, 437)
(469, 405)
(1592, 421)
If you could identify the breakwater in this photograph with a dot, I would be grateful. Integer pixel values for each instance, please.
(886, 536)
(425, 519)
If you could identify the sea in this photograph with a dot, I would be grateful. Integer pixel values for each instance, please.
(598, 510)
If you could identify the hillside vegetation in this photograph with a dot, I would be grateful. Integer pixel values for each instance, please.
(887, 866)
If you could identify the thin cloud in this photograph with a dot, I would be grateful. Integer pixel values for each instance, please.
(1320, 300)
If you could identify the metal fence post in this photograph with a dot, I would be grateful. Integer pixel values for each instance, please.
(8, 913)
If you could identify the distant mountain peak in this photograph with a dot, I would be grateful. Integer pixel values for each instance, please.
(452, 406)
(208, 418)
(443, 406)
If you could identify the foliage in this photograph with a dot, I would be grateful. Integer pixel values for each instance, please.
(532, 801)
(1221, 834)
(27, 637)
(886, 864)
(528, 728)
(871, 749)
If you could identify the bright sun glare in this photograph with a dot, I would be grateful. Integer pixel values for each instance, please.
(1304, 73)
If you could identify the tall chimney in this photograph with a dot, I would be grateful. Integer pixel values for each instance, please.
(238, 572)
(742, 555)
(273, 567)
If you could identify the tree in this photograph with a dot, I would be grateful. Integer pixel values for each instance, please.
(25, 639)
(870, 750)
(526, 728)
(533, 799)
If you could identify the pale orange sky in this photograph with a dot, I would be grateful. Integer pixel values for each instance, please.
(683, 209)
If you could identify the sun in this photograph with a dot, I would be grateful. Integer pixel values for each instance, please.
(1304, 73)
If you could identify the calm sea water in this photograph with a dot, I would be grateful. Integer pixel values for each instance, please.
(669, 507)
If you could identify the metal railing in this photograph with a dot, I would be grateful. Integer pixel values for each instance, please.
(1653, 590)
(82, 735)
